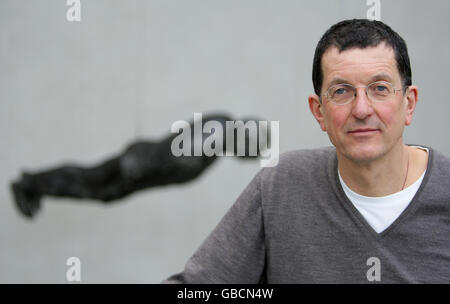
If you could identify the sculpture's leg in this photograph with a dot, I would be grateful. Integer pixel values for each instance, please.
(101, 182)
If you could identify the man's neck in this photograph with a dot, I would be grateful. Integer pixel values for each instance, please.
(388, 174)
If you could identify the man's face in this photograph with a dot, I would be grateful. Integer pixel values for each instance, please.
(363, 130)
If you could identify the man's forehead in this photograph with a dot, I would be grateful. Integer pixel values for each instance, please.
(378, 59)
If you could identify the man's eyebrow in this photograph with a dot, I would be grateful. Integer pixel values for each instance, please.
(381, 76)
(377, 77)
(337, 81)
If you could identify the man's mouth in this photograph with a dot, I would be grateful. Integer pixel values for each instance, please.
(363, 131)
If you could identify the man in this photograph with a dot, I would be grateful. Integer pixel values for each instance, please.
(370, 209)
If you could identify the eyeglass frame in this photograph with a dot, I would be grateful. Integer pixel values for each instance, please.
(366, 88)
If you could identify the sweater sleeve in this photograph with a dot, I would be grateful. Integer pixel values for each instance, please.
(234, 252)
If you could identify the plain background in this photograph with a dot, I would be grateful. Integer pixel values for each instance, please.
(79, 92)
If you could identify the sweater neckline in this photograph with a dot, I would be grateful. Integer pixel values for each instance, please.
(356, 216)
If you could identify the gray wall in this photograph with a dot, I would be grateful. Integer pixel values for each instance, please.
(79, 92)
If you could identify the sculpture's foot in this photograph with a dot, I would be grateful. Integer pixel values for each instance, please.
(27, 201)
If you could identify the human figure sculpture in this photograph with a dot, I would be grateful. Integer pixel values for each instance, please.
(142, 165)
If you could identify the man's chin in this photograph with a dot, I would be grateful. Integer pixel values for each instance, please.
(362, 154)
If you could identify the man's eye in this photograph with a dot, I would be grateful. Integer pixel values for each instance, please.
(340, 91)
(381, 88)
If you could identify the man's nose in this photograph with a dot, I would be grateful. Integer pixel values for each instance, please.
(361, 107)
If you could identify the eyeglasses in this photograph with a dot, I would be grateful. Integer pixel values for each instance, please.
(378, 91)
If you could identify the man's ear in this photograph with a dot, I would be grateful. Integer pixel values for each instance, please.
(412, 97)
(316, 108)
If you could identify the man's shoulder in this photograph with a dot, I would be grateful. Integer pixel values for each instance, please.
(306, 157)
(440, 164)
(434, 188)
(440, 157)
(302, 162)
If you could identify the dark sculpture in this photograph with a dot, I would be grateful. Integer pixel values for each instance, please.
(143, 164)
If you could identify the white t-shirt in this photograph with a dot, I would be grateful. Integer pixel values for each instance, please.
(381, 212)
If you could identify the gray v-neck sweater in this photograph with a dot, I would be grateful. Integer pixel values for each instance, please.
(294, 224)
